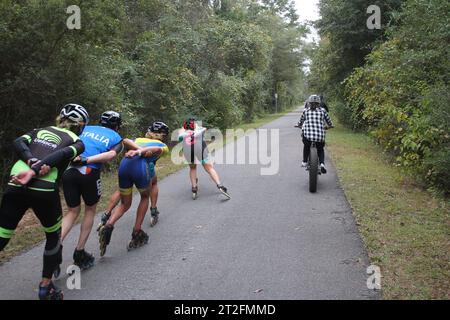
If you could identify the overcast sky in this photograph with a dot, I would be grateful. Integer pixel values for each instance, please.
(308, 11)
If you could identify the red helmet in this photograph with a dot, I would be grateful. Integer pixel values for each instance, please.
(189, 124)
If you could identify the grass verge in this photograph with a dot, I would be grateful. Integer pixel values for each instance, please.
(405, 229)
(29, 232)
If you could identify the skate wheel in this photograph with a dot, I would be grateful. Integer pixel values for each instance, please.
(102, 251)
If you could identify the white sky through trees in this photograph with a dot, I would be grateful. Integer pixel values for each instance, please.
(308, 10)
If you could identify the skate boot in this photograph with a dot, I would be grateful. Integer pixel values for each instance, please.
(224, 191)
(83, 259)
(154, 216)
(195, 191)
(104, 238)
(57, 272)
(103, 220)
(50, 292)
(138, 239)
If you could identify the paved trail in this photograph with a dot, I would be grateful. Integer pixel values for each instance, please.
(272, 240)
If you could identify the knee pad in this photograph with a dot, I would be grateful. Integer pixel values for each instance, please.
(52, 254)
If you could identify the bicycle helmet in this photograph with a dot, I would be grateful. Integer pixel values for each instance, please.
(314, 99)
(159, 127)
(74, 113)
(189, 124)
(111, 119)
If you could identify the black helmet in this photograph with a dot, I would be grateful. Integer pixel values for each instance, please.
(111, 119)
(75, 113)
(159, 127)
(189, 124)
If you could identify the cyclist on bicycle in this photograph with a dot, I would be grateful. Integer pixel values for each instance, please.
(313, 129)
(44, 155)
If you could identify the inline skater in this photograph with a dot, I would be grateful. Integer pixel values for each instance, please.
(137, 169)
(114, 200)
(195, 151)
(82, 180)
(44, 155)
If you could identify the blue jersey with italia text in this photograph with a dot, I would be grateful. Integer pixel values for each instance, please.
(98, 139)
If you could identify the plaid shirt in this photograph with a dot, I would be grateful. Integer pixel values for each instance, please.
(312, 124)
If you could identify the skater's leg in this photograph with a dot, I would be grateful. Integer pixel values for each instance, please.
(47, 207)
(193, 175)
(69, 220)
(91, 193)
(113, 201)
(86, 226)
(72, 183)
(126, 200)
(14, 205)
(215, 177)
(142, 208)
(154, 192)
(212, 172)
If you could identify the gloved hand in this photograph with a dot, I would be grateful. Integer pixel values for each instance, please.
(80, 161)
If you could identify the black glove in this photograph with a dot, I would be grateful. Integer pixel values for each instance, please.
(31, 162)
(80, 161)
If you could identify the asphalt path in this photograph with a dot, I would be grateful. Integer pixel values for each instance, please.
(273, 240)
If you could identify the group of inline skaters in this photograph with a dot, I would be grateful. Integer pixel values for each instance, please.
(73, 152)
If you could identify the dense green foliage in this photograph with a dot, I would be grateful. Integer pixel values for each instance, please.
(149, 59)
(399, 91)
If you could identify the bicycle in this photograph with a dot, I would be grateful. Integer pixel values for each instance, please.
(313, 166)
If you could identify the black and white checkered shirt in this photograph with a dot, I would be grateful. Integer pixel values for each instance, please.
(312, 124)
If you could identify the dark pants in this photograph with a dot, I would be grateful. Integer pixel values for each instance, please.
(77, 185)
(47, 207)
(320, 150)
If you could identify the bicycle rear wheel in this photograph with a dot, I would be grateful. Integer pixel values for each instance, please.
(313, 169)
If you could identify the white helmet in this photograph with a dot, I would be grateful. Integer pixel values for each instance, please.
(314, 99)
(75, 113)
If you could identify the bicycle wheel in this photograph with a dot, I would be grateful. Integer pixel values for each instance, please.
(313, 169)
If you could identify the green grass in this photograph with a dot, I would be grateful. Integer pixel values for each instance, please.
(405, 229)
(29, 232)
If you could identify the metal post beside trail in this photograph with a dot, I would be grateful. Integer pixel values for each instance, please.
(276, 102)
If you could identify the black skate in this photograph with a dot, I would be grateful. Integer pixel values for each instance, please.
(224, 191)
(103, 220)
(50, 292)
(154, 216)
(83, 259)
(195, 191)
(57, 272)
(138, 239)
(104, 238)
